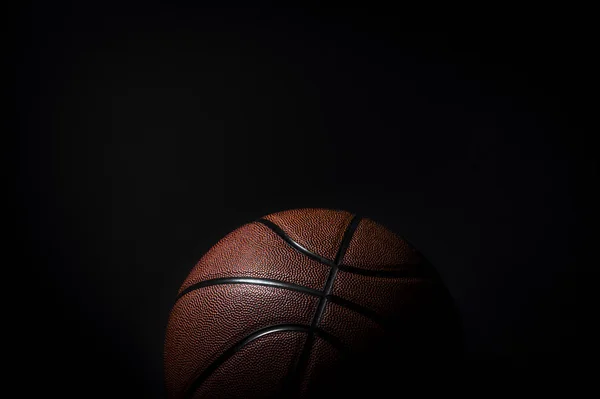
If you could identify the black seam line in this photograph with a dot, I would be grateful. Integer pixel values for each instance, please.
(338, 258)
(303, 358)
(251, 280)
(286, 286)
(368, 313)
(348, 269)
(346, 239)
(193, 387)
(277, 230)
(332, 339)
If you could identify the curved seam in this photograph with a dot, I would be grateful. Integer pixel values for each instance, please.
(232, 350)
(346, 304)
(250, 280)
(330, 338)
(346, 268)
(279, 231)
(286, 286)
(304, 355)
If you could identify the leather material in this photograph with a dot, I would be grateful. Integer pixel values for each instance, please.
(205, 322)
(253, 250)
(376, 248)
(322, 360)
(318, 230)
(354, 331)
(259, 367)
(301, 303)
(381, 294)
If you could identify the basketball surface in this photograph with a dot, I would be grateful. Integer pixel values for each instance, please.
(307, 303)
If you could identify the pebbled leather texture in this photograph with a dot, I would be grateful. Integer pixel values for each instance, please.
(364, 296)
(382, 294)
(258, 369)
(356, 330)
(318, 230)
(253, 250)
(323, 359)
(205, 322)
(376, 248)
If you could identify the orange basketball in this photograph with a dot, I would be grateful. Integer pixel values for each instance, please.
(304, 302)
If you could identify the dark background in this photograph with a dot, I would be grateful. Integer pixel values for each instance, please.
(145, 132)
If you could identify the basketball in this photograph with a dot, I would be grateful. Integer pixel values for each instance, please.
(305, 303)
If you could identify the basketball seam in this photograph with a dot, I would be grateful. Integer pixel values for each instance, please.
(286, 286)
(250, 280)
(324, 295)
(363, 311)
(300, 366)
(232, 350)
(340, 254)
(279, 231)
(212, 367)
(346, 268)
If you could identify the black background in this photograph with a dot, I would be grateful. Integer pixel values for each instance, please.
(146, 132)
